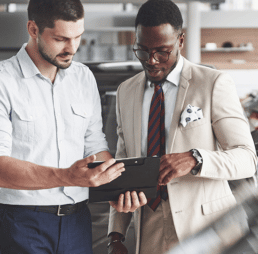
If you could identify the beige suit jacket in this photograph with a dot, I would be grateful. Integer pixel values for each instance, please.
(222, 137)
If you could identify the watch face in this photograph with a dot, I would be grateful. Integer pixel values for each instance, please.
(196, 169)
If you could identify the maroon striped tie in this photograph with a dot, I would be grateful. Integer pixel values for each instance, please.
(156, 138)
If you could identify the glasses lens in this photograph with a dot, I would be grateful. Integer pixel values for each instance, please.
(161, 56)
(142, 55)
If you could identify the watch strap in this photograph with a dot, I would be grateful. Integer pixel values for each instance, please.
(199, 160)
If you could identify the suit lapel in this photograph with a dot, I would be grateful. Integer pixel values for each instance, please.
(186, 75)
(138, 100)
(182, 90)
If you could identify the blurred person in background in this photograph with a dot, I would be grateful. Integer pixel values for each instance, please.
(190, 116)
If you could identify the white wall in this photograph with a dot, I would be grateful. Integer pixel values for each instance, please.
(229, 19)
(246, 81)
(209, 19)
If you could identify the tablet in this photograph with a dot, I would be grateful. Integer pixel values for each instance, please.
(141, 174)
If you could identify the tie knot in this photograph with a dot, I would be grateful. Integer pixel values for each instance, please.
(157, 84)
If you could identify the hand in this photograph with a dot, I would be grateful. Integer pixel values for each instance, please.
(129, 202)
(175, 165)
(117, 248)
(80, 175)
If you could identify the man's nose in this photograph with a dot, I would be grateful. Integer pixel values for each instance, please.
(71, 47)
(151, 60)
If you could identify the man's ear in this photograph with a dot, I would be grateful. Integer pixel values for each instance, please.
(33, 29)
(181, 40)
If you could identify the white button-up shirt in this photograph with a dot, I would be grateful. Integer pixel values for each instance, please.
(170, 89)
(50, 124)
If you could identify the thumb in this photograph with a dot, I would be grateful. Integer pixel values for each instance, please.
(90, 159)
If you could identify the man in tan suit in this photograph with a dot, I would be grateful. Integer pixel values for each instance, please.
(202, 112)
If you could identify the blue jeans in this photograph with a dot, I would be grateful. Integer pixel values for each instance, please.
(23, 231)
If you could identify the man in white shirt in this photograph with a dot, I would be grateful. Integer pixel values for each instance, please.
(51, 128)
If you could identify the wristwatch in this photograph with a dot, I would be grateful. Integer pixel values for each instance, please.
(199, 160)
(115, 237)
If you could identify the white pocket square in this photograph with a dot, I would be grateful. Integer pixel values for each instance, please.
(191, 114)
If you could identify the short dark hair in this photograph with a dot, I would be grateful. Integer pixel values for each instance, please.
(45, 12)
(158, 12)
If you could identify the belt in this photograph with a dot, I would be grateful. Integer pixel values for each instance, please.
(59, 210)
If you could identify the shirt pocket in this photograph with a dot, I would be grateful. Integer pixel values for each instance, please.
(81, 114)
(23, 122)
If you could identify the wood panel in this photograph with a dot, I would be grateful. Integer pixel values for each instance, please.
(126, 38)
(236, 37)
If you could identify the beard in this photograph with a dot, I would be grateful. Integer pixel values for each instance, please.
(53, 60)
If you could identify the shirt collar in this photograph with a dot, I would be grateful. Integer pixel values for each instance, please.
(29, 69)
(174, 76)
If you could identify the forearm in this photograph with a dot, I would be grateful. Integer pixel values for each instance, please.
(18, 174)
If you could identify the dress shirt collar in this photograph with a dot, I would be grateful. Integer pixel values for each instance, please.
(174, 76)
(29, 69)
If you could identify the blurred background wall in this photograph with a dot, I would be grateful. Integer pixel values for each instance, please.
(228, 32)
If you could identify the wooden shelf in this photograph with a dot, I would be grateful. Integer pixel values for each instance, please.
(233, 49)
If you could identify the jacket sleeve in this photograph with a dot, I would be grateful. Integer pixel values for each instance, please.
(119, 222)
(121, 149)
(236, 157)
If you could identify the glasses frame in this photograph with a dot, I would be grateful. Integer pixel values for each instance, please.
(153, 53)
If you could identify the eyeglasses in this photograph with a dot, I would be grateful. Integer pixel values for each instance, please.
(160, 56)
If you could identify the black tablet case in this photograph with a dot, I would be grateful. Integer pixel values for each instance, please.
(141, 174)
